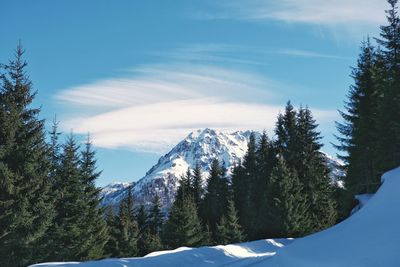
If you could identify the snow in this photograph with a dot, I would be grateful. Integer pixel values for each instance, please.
(230, 255)
(369, 238)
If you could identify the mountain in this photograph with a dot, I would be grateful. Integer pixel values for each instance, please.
(199, 147)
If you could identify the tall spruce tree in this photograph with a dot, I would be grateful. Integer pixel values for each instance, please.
(197, 185)
(359, 130)
(313, 173)
(388, 143)
(127, 228)
(96, 232)
(215, 202)
(69, 228)
(156, 216)
(26, 207)
(266, 159)
(243, 184)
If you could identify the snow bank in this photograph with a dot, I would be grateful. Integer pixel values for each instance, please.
(232, 255)
(369, 238)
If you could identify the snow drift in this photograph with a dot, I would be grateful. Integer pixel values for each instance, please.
(370, 237)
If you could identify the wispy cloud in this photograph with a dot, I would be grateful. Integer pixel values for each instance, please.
(157, 105)
(306, 53)
(329, 12)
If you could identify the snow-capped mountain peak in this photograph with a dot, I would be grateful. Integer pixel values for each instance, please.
(199, 147)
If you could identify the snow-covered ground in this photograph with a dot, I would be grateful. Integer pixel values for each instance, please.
(369, 238)
(231, 255)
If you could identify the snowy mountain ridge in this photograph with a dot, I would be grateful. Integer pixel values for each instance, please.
(199, 147)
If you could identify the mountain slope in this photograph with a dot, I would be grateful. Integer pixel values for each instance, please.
(199, 147)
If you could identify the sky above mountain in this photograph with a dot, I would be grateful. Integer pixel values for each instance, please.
(140, 75)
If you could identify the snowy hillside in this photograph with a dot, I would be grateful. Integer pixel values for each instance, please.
(201, 147)
(369, 238)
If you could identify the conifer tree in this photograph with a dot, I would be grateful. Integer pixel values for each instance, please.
(96, 231)
(128, 230)
(288, 213)
(156, 217)
(26, 207)
(197, 185)
(228, 229)
(69, 229)
(359, 129)
(183, 227)
(141, 217)
(243, 184)
(388, 143)
(215, 200)
(185, 187)
(265, 159)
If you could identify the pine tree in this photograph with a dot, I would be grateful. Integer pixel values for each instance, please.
(185, 187)
(111, 248)
(197, 185)
(183, 227)
(156, 217)
(313, 172)
(359, 131)
(243, 184)
(96, 231)
(228, 229)
(69, 229)
(265, 158)
(26, 207)
(215, 200)
(388, 143)
(141, 217)
(288, 213)
(148, 243)
(128, 230)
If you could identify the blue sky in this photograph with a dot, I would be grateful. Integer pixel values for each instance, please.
(140, 75)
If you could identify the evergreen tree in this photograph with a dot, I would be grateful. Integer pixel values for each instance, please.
(96, 231)
(185, 187)
(141, 218)
(26, 207)
(215, 200)
(266, 158)
(388, 143)
(288, 213)
(243, 184)
(148, 242)
(197, 185)
(359, 131)
(183, 227)
(228, 229)
(313, 173)
(128, 230)
(69, 228)
(156, 217)
(111, 248)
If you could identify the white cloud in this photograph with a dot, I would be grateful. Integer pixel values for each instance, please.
(306, 53)
(158, 105)
(329, 12)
